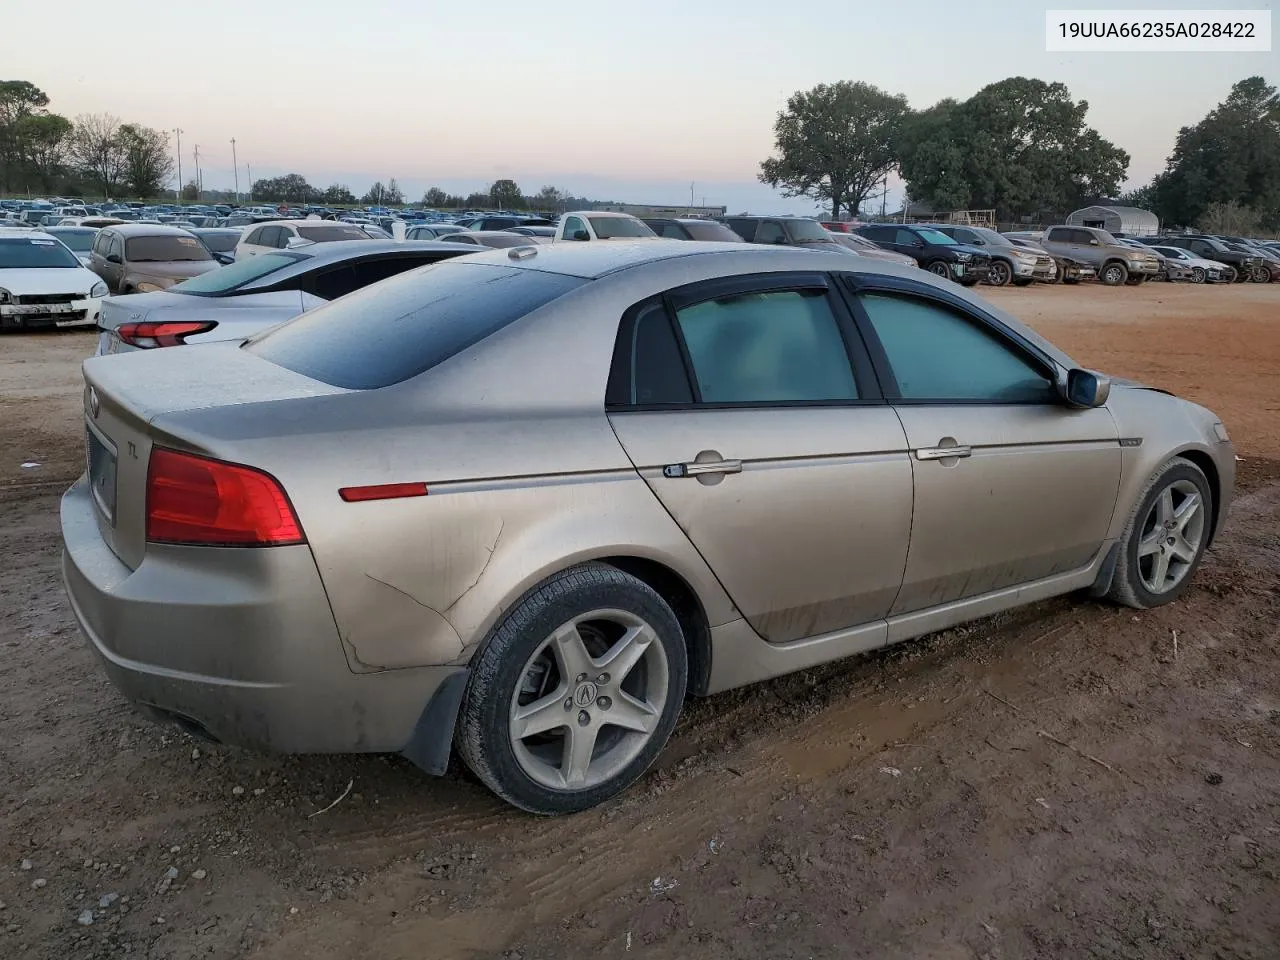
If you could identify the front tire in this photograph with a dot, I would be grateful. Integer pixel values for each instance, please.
(1165, 538)
(1114, 274)
(940, 268)
(576, 691)
(1197, 274)
(1000, 275)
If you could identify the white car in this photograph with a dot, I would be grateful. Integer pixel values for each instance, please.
(1198, 269)
(43, 284)
(281, 234)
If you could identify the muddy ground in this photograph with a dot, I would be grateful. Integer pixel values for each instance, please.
(1069, 780)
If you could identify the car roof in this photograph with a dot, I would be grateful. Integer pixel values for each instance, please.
(321, 253)
(593, 260)
(148, 230)
(69, 228)
(9, 232)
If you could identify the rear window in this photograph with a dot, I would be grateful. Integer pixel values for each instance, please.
(164, 249)
(396, 329)
(332, 231)
(710, 230)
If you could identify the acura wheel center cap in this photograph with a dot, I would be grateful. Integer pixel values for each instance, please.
(586, 694)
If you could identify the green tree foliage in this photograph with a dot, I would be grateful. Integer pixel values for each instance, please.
(1231, 219)
(835, 143)
(1232, 155)
(1143, 197)
(18, 100)
(506, 195)
(147, 163)
(435, 197)
(190, 191)
(338, 194)
(393, 196)
(44, 140)
(1018, 146)
(291, 188)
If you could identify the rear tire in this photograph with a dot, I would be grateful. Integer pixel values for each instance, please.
(1165, 538)
(592, 664)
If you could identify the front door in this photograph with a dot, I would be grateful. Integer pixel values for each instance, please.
(1011, 485)
(752, 411)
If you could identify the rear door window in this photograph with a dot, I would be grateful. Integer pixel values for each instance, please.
(397, 329)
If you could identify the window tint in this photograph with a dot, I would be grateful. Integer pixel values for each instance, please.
(166, 249)
(746, 229)
(325, 233)
(771, 231)
(882, 234)
(673, 231)
(235, 275)
(572, 226)
(767, 347)
(254, 236)
(709, 230)
(906, 238)
(937, 354)
(654, 371)
(396, 329)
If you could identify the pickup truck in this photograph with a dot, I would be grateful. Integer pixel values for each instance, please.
(585, 225)
(1115, 263)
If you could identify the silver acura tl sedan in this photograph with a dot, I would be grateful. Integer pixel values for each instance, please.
(523, 503)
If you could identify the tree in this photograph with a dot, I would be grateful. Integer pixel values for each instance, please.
(338, 194)
(147, 163)
(506, 195)
(435, 197)
(291, 188)
(1233, 154)
(43, 141)
(393, 196)
(549, 198)
(19, 99)
(375, 195)
(96, 149)
(835, 142)
(477, 200)
(1143, 197)
(1229, 218)
(190, 191)
(1017, 146)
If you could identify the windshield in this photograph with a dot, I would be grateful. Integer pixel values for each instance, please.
(217, 283)
(371, 232)
(80, 241)
(223, 241)
(28, 253)
(807, 231)
(607, 228)
(164, 249)
(992, 238)
(504, 240)
(935, 236)
(332, 231)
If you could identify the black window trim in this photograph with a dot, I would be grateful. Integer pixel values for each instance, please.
(865, 376)
(854, 284)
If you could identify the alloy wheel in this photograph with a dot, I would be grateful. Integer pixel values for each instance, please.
(1171, 535)
(1000, 273)
(589, 699)
(1113, 274)
(1197, 274)
(940, 269)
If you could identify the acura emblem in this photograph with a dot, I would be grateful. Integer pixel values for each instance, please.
(93, 402)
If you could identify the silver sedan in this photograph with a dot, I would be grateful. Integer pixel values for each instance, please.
(522, 503)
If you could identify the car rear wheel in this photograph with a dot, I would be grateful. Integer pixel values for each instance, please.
(939, 268)
(1261, 275)
(1165, 538)
(1197, 274)
(575, 693)
(1114, 274)
(1000, 274)
(1240, 276)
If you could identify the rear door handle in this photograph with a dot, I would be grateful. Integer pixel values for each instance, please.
(943, 453)
(696, 469)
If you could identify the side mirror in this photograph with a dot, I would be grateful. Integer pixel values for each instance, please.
(113, 258)
(294, 242)
(1087, 389)
(580, 235)
(1093, 241)
(224, 258)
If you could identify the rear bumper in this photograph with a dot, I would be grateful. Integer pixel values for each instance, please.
(241, 646)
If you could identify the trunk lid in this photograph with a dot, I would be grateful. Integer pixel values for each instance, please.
(124, 395)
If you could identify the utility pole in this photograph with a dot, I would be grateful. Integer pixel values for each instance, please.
(249, 170)
(178, 193)
(197, 171)
(884, 197)
(235, 167)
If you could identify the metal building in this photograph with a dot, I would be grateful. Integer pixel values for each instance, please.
(1121, 221)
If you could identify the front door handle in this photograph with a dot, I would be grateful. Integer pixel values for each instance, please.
(701, 469)
(943, 453)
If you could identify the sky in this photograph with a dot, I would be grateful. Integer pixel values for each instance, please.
(630, 100)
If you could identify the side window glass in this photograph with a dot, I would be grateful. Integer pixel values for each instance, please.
(657, 372)
(938, 354)
(672, 231)
(332, 284)
(767, 348)
(905, 237)
(770, 231)
(571, 226)
(372, 271)
(117, 246)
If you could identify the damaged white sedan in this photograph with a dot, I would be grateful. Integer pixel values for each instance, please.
(43, 284)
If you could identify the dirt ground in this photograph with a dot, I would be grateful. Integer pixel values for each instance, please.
(1068, 780)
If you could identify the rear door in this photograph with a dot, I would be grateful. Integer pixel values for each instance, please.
(1011, 485)
(751, 409)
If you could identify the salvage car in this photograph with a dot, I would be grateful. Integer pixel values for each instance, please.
(857, 244)
(1116, 264)
(935, 251)
(521, 503)
(256, 293)
(1198, 269)
(79, 240)
(803, 232)
(1244, 264)
(145, 257)
(1009, 262)
(280, 234)
(43, 284)
(691, 228)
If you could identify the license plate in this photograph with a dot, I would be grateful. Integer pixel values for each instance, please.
(102, 472)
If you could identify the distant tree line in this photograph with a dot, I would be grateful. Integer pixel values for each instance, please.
(92, 154)
(502, 194)
(1021, 147)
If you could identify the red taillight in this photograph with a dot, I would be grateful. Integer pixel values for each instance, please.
(162, 333)
(196, 500)
(382, 491)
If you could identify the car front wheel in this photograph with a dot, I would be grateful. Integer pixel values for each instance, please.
(1000, 274)
(575, 693)
(1115, 274)
(1165, 538)
(939, 268)
(1197, 274)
